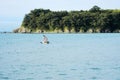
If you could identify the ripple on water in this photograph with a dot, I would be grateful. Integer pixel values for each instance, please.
(31, 73)
(15, 71)
(1, 74)
(5, 78)
(22, 68)
(73, 69)
(29, 79)
(48, 78)
(0, 57)
(93, 78)
(117, 79)
(95, 68)
(116, 68)
(20, 79)
(46, 72)
(26, 79)
(62, 74)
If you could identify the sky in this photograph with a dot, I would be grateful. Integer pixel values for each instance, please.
(12, 12)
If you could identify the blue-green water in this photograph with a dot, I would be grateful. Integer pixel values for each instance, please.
(67, 57)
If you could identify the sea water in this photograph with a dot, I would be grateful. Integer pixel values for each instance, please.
(67, 57)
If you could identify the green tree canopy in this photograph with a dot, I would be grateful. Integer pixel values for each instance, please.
(94, 20)
(95, 9)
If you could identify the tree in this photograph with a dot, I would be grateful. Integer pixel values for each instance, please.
(95, 9)
(67, 23)
(95, 19)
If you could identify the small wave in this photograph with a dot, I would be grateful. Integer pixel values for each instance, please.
(95, 68)
(1, 74)
(94, 78)
(117, 68)
(62, 74)
(48, 77)
(30, 79)
(14, 71)
(5, 78)
(46, 72)
(73, 69)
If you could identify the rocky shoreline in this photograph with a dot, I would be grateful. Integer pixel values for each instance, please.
(25, 30)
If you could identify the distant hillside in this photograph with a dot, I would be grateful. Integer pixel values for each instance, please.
(93, 20)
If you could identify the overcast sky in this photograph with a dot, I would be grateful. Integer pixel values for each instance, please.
(12, 11)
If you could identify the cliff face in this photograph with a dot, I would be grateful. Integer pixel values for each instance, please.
(25, 30)
(21, 30)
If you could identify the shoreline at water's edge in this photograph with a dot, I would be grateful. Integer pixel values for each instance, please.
(55, 33)
(23, 30)
(26, 30)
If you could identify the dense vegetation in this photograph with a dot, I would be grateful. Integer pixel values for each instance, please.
(93, 20)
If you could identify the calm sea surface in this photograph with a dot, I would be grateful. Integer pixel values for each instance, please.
(67, 57)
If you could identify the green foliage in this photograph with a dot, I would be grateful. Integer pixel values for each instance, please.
(95, 19)
(95, 9)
